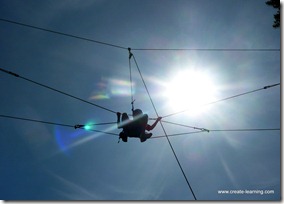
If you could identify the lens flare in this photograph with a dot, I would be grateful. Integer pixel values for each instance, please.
(88, 127)
(110, 87)
(65, 138)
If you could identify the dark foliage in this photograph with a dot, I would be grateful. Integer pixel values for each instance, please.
(276, 5)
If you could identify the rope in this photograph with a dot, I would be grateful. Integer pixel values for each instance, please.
(176, 134)
(61, 33)
(130, 76)
(240, 130)
(164, 130)
(142, 49)
(224, 130)
(56, 90)
(224, 99)
(51, 123)
(208, 49)
(215, 130)
(94, 124)
(196, 128)
(169, 135)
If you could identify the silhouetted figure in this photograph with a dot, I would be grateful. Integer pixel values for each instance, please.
(135, 127)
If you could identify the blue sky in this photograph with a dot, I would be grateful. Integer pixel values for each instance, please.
(51, 162)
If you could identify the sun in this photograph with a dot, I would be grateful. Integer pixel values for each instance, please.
(189, 90)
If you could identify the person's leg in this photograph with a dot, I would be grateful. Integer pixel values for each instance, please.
(123, 136)
(124, 121)
(124, 117)
(143, 123)
(118, 119)
(144, 136)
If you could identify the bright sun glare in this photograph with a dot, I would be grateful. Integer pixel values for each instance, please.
(189, 90)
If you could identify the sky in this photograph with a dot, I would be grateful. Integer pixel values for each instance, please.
(42, 161)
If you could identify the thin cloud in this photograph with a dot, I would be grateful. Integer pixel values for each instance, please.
(73, 191)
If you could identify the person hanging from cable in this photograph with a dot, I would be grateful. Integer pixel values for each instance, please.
(135, 127)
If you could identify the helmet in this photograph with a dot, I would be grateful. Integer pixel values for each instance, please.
(137, 112)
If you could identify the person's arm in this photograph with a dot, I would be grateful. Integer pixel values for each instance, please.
(151, 127)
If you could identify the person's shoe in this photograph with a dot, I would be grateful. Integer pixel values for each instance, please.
(148, 135)
(145, 136)
(123, 136)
